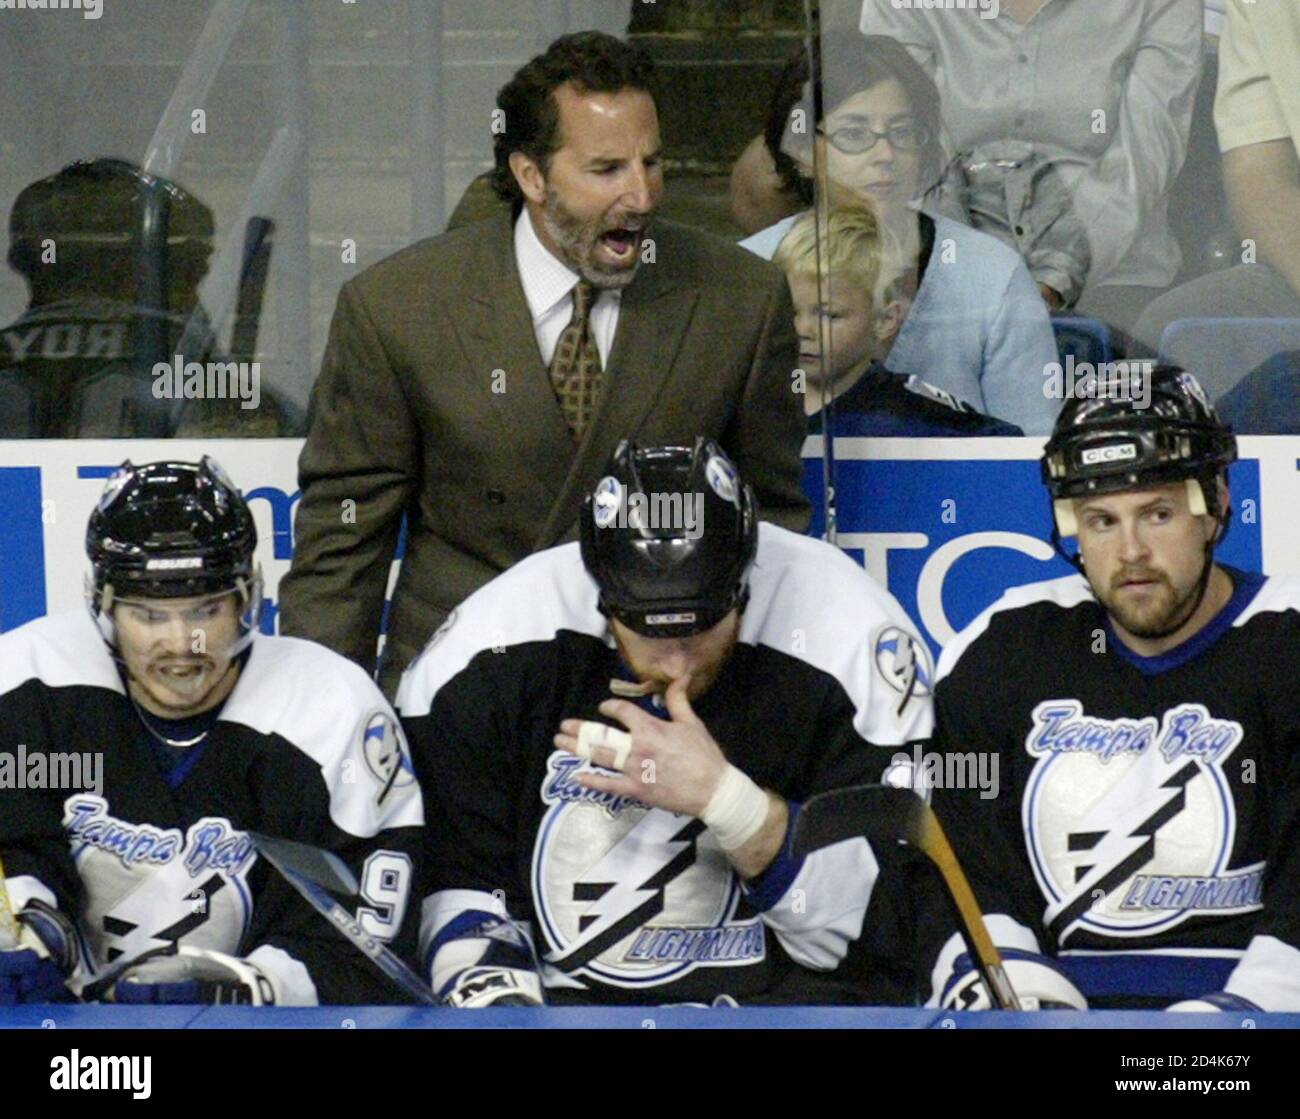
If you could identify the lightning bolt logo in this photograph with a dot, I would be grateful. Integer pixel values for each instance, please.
(1116, 841)
(619, 904)
(148, 909)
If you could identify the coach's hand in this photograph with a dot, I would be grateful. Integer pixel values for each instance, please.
(672, 763)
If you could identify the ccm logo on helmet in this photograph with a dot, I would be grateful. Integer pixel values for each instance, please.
(1117, 453)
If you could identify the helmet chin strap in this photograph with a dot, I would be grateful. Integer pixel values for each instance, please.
(1058, 546)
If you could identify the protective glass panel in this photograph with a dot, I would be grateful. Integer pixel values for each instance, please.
(1049, 206)
(190, 184)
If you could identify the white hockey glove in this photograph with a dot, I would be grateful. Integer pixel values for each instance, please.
(485, 960)
(1035, 979)
(477, 987)
(1211, 1004)
(181, 974)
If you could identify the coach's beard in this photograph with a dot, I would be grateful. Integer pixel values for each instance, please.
(580, 241)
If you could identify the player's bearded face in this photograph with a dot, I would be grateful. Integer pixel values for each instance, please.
(602, 186)
(658, 661)
(1144, 553)
(176, 651)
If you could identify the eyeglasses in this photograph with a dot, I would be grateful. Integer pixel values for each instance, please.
(857, 139)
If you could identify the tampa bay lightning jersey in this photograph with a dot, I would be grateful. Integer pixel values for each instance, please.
(629, 903)
(305, 748)
(1146, 828)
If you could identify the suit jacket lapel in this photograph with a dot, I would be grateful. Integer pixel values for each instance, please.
(496, 328)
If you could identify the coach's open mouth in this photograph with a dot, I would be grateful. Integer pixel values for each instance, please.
(621, 242)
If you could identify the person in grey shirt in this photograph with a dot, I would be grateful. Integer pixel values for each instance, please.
(1098, 91)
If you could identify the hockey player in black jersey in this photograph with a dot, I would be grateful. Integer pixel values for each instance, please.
(131, 871)
(1144, 850)
(614, 736)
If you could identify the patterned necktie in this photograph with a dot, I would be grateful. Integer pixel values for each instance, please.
(576, 374)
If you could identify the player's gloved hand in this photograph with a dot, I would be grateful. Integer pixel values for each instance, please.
(1038, 984)
(476, 987)
(35, 969)
(485, 959)
(192, 975)
(1210, 1004)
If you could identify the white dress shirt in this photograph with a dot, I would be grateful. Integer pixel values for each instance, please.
(548, 290)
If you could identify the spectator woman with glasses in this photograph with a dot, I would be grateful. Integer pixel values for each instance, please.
(976, 326)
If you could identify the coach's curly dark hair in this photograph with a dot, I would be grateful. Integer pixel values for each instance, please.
(849, 65)
(594, 62)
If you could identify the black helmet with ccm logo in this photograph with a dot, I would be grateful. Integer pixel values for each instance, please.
(669, 534)
(1138, 440)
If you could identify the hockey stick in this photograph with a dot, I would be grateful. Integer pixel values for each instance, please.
(251, 288)
(8, 922)
(882, 814)
(313, 873)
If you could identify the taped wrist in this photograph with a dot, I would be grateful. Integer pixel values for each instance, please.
(736, 810)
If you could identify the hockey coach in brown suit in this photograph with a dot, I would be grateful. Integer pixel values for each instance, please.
(477, 381)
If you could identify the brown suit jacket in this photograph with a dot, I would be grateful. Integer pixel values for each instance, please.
(433, 401)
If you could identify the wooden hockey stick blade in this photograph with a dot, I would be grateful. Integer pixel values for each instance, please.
(315, 894)
(884, 814)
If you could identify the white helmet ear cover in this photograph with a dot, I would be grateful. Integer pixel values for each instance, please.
(1067, 524)
(1196, 498)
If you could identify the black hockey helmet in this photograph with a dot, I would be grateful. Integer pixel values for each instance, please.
(108, 219)
(669, 534)
(1126, 440)
(171, 530)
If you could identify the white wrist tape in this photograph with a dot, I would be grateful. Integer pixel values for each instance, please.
(736, 810)
(592, 734)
